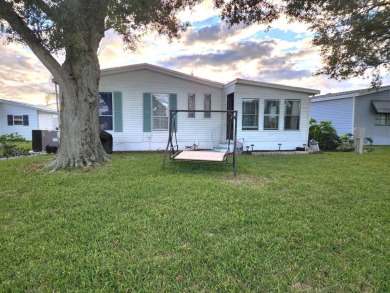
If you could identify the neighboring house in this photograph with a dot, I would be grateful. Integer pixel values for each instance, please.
(22, 118)
(366, 108)
(134, 103)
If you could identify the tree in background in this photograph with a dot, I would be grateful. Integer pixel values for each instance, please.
(353, 36)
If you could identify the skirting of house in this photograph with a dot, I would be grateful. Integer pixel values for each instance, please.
(276, 153)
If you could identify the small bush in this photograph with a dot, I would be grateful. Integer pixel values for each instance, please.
(346, 143)
(12, 145)
(325, 134)
(368, 141)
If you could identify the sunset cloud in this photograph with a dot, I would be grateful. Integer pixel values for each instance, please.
(208, 49)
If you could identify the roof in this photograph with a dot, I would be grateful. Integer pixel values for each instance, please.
(273, 85)
(173, 73)
(29, 106)
(349, 94)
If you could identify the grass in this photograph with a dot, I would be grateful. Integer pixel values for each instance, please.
(309, 223)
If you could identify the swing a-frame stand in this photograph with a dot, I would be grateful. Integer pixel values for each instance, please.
(202, 156)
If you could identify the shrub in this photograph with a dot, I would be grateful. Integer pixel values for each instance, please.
(325, 134)
(12, 145)
(368, 140)
(346, 143)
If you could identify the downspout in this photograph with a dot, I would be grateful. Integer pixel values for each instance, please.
(353, 114)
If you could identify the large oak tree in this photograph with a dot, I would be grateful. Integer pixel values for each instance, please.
(75, 28)
(353, 36)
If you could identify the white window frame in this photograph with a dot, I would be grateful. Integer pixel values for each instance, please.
(289, 115)
(272, 115)
(106, 115)
(207, 105)
(191, 105)
(251, 127)
(18, 120)
(160, 116)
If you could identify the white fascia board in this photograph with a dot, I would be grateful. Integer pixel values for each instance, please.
(28, 106)
(321, 99)
(161, 70)
(273, 85)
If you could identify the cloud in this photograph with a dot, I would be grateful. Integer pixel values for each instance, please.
(237, 52)
(23, 77)
(217, 32)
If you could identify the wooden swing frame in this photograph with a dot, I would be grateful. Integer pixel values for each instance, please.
(201, 156)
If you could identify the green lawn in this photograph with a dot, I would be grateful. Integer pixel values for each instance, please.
(307, 223)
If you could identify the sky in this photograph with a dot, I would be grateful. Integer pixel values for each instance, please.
(208, 49)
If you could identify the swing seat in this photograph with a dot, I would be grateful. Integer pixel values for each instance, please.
(203, 156)
(200, 156)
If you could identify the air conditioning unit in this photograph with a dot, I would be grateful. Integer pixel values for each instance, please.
(43, 138)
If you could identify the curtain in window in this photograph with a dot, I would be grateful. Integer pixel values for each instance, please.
(271, 115)
(207, 105)
(292, 114)
(191, 105)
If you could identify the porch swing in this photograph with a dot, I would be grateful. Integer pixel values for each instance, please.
(202, 156)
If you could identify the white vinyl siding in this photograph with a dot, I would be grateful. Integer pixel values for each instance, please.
(19, 112)
(134, 84)
(269, 139)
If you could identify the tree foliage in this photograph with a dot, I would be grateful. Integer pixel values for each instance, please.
(353, 35)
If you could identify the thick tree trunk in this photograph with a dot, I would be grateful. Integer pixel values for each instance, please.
(80, 144)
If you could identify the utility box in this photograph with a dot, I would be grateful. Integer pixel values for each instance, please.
(43, 138)
(358, 136)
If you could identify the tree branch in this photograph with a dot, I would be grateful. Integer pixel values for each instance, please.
(8, 13)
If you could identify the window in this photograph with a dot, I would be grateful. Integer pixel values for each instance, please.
(191, 105)
(207, 105)
(250, 114)
(160, 111)
(18, 120)
(382, 119)
(271, 115)
(105, 111)
(292, 114)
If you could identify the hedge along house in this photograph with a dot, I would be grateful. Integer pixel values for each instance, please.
(135, 102)
(365, 108)
(22, 118)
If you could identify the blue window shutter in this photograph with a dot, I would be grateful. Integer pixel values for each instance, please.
(147, 112)
(10, 119)
(25, 120)
(173, 106)
(118, 112)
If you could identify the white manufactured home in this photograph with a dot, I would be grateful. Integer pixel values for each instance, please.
(135, 101)
(365, 108)
(22, 118)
